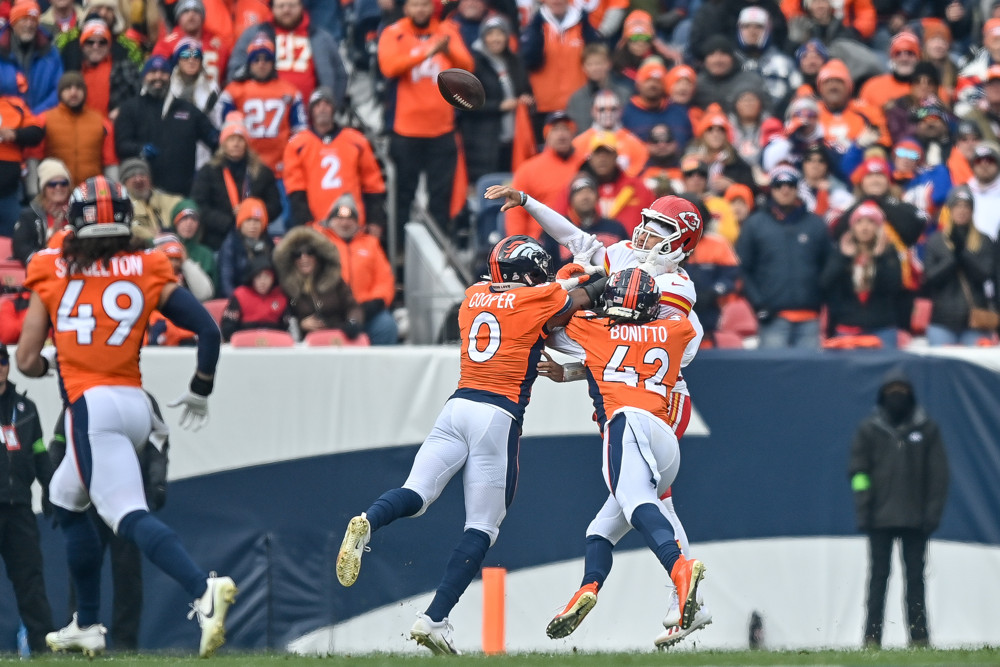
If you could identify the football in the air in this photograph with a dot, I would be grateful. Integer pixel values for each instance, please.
(461, 89)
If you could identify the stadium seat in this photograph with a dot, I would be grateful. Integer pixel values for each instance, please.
(262, 338)
(921, 316)
(728, 340)
(738, 317)
(11, 275)
(6, 248)
(215, 308)
(334, 338)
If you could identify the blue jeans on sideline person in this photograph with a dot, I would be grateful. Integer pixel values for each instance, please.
(382, 329)
(939, 335)
(782, 333)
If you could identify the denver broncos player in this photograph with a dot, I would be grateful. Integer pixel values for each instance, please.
(98, 291)
(668, 232)
(632, 361)
(504, 322)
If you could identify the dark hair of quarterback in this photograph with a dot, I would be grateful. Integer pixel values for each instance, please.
(84, 253)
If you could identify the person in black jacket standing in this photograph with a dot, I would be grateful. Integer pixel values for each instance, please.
(25, 460)
(899, 475)
(164, 133)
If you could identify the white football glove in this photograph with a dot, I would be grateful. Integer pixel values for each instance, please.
(661, 260)
(584, 248)
(195, 414)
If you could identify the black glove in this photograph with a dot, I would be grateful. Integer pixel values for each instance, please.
(595, 290)
(372, 308)
(352, 329)
(47, 507)
(958, 237)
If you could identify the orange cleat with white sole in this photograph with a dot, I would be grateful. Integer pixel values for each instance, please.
(572, 616)
(686, 575)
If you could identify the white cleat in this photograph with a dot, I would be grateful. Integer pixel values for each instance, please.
(434, 635)
(89, 640)
(673, 632)
(355, 544)
(210, 609)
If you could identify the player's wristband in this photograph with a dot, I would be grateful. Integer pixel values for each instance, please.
(201, 386)
(574, 371)
(524, 198)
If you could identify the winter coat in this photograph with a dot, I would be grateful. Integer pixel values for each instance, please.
(30, 231)
(209, 192)
(235, 256)
(247, 309)
(174, 131)
(43, 77)
(783, 259)
(330, 298)
(942, 266)
(899, 473)
(20, 467)
(481, 128)
(126, 74)
(846, 308)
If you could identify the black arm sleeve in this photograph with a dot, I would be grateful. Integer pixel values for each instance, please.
(187, 312)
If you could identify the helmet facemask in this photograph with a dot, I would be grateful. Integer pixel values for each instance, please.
(654, 228)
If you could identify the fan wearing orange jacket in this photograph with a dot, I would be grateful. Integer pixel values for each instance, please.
(365, 269)
(327, 161)
(18, 130)
(411, 53)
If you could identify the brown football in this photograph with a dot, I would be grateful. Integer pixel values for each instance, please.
(461, 89)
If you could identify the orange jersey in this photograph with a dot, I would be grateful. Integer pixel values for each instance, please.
(404, 58)
(502, 339)
(325, 170)
(99, 315)
(273, 112)
(632, 365)
(14, 114)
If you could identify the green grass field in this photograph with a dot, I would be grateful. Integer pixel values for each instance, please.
(985, 656)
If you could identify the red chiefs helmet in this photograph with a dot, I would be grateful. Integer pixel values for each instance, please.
(674, 219)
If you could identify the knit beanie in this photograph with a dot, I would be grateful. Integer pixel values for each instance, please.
(251, 207)
(24, 9)
(185, 208)
(72, 78)
(133, 166)
(50, 169)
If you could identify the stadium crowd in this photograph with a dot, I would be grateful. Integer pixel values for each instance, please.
(845, 154)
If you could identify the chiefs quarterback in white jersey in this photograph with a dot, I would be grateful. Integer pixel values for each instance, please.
(668, 233)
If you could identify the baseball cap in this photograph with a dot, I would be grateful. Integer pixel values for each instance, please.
(558, 117)
(322, 93)
(692, 164)
(582, 182)
(784, 174)
(604, 139)
(987, 150)
(753, 16)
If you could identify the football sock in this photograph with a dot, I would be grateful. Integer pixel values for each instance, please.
(84, 556)
(392, 505)
(658, 533)
(463, 566)
(598, 560)
(162, 546)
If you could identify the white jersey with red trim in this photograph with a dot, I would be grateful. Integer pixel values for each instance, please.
(677, 296)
